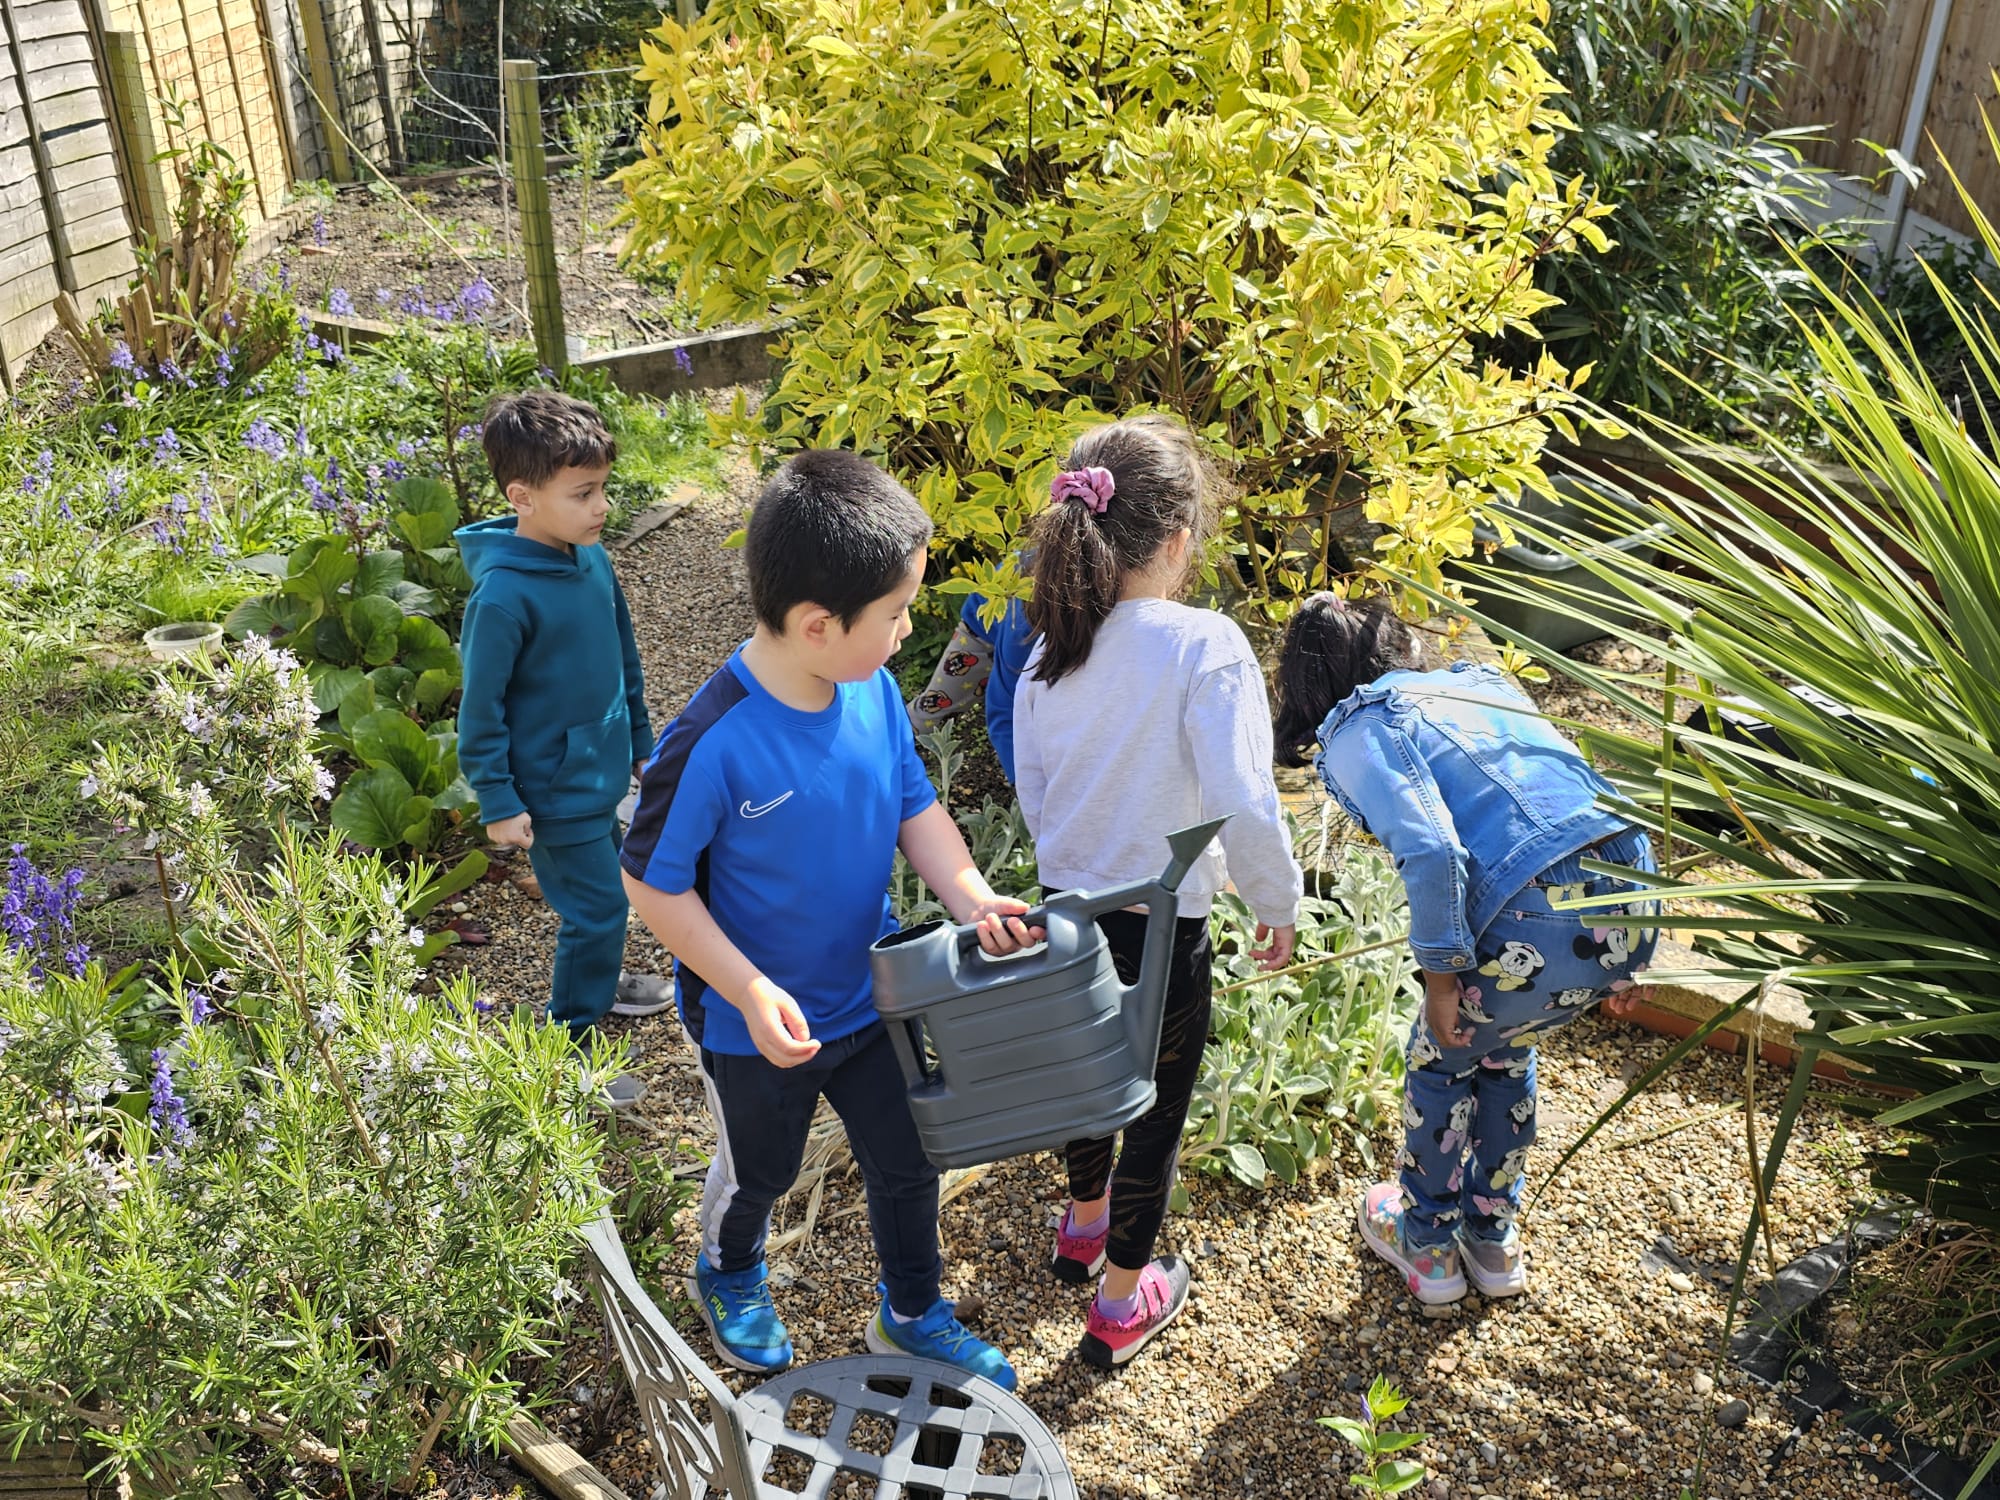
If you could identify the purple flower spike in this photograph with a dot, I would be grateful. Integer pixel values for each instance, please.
(168, 1109)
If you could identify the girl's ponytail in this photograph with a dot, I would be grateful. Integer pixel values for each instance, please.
(1124, 491)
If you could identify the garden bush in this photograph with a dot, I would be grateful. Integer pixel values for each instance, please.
(1694, 299)
(992, 224)
(274, 1199)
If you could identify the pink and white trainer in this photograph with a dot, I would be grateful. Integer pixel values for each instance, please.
(1432, 1273)
(1163, 1292)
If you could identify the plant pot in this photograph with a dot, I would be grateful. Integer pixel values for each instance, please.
(1527, 562)
(184, 638)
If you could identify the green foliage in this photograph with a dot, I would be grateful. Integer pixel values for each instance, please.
(1298, 1062)
(1383, 1474)
(275, 1199)
(1706, 201)
(996, 224)
(381, 668)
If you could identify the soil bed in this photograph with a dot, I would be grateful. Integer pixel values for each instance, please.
(366, 240)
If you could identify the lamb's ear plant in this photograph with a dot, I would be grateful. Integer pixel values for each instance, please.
(1298, 1062)
(281, 1198)
(1844, 589)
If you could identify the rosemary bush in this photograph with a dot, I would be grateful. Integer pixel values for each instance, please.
(280, 1199)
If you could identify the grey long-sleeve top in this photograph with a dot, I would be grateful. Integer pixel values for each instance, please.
(1165, 725)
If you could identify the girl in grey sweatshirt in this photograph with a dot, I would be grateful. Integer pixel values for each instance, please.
(1139, 715)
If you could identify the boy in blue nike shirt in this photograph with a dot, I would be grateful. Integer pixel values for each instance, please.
(760, 853)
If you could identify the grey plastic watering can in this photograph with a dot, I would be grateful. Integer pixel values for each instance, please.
(1009, 1055)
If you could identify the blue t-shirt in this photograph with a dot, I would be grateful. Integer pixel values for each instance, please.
(785, 824)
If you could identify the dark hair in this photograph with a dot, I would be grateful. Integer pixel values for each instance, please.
(1331, 648)
(1161, 481)
(831, 529)
(535, 435)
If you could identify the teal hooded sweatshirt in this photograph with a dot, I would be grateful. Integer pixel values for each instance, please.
(553, 713)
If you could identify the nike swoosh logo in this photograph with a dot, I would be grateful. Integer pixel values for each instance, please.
(757, 812)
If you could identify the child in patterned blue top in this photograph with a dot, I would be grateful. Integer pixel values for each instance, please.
(1489, 814)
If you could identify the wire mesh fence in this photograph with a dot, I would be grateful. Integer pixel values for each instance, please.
(452, 119)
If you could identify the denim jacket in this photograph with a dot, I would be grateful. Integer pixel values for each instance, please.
(1468, 787)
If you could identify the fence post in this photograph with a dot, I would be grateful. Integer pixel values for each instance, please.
(135, 128)
(531, 190)
(319, 60)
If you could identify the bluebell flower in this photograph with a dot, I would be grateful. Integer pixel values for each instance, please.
(168, 1109)
(477, 297)
(18, 580)
(321, 500)
(169, 371)
(683, 362)
(166, 445)
(300, 440)
(121, 359)
(300, 386)
(38, 915)
(339, 303)
(262, 437)
(319, 231)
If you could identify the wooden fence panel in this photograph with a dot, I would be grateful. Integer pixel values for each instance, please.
(63, 219)
(1953, 126)
(1859, 81)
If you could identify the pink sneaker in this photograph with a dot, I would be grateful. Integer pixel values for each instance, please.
(1163, 1292)
(1432, 1272)
(1078, 1257)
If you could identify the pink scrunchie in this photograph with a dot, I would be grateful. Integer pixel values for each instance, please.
(1092, 487)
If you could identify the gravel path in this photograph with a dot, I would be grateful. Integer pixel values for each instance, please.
(1597, 1384)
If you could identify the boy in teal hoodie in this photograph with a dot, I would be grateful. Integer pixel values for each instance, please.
(552, 724)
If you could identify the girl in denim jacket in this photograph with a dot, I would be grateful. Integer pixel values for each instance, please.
(1489, 815)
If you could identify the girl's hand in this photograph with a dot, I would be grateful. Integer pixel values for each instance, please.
(1622, 1004)
(1278, 944)
(1441, 996)
(777, 1025)
(1001, 930)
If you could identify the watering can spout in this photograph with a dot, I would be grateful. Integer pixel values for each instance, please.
(1185, 847)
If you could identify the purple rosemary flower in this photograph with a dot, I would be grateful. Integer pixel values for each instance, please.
(168, 1109)
(339, 303)
(199, 1009)
(261, 437)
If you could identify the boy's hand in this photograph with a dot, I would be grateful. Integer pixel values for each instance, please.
(1441, 996)
(517, 831)
(777, 1025)
(1001, 930)
(1278, 944)
(1622, 1004)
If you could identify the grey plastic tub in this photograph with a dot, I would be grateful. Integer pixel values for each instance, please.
(1527, 562)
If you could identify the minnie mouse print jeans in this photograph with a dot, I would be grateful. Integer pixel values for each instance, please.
(1469, 1112)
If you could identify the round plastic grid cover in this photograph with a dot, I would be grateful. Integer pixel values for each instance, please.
(945, 1421)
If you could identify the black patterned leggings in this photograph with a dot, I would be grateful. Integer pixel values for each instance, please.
(1144, 1176)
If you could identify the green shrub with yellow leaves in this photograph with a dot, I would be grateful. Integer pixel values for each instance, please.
(1294, 223)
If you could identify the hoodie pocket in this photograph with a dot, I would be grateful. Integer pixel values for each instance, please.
(597, 759)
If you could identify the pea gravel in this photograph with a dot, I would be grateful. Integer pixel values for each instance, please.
(1602, 1382)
